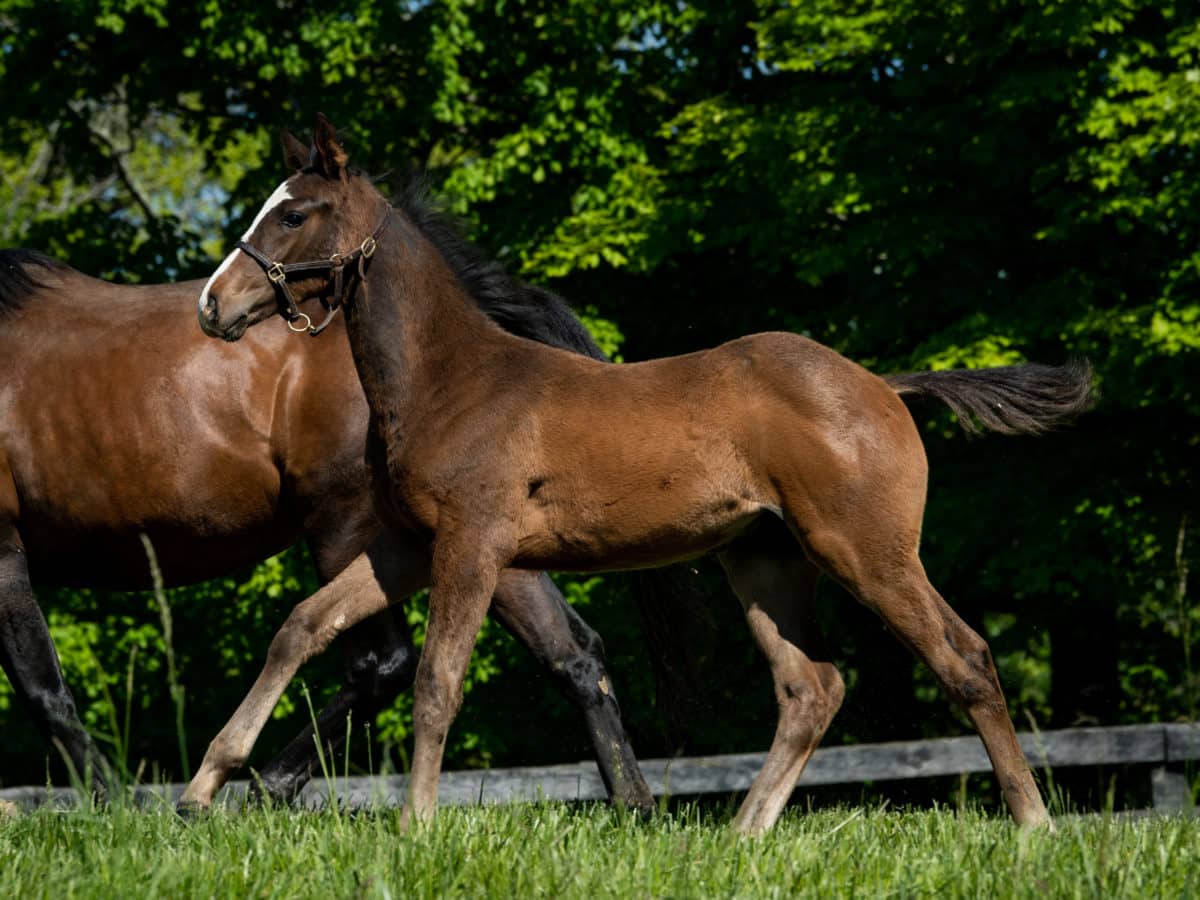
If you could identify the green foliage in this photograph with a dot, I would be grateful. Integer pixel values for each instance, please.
(918, 185)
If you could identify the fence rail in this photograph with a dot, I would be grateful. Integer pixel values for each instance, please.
(1165, 747)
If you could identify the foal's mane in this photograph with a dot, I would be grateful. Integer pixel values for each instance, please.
(18, 280)
(519, 308)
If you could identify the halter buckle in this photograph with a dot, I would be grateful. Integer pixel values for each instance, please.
(276, 273)
(368, 247)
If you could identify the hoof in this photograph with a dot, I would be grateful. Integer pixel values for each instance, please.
(267, 792)
(1045, 824)
(100, 796)
(645, 813)
(190, 810)
(258, 796)
(639, 803)
(9, 810)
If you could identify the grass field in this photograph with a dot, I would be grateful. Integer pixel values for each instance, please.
(559, 851)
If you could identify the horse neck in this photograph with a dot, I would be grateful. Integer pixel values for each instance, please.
(413, 327)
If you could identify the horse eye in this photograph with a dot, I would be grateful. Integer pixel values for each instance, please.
(292, 219)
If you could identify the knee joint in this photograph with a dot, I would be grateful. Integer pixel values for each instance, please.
(298, 636)
(800, 696)
(589, 641)
(591, 644)
(434, 702)
(399, 670)
(977, 681)
(585, 678)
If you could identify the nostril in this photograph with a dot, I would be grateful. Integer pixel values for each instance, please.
(210, 307)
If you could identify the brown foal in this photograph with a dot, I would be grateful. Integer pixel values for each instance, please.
(485, 444)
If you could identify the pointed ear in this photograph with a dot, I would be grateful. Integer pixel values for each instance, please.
(295, 154)
(330, 155)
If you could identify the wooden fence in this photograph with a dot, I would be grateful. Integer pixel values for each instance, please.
(1165, 748)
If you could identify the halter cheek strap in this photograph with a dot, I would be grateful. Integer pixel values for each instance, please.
(343, 287)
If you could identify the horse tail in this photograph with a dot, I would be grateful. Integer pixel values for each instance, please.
(1022, 399)
(18, 276)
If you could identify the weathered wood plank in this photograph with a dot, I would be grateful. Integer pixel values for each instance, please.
(1095, 746)
(500, 786)
(1183, 741)
(901, 760)
(1171, 790)
(729, 773)
(702, 774)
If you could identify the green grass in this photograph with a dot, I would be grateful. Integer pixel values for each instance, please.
(558, 851)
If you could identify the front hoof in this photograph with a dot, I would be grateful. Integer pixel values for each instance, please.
(190, 810)
(642, 807)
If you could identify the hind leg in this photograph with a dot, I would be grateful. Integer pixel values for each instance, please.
(962, 662)
(855, 500)
(776, 586)
(880, 566)
(30, 661)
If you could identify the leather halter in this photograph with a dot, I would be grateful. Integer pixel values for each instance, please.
(343, 288)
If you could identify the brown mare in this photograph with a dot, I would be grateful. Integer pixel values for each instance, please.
(786, 458)
(118, 417)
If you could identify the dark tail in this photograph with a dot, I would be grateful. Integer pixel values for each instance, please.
(18, 278)
(1024, 399)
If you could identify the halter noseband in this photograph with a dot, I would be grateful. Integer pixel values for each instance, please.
(343, 288)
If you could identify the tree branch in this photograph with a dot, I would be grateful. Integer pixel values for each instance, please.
(118, 155)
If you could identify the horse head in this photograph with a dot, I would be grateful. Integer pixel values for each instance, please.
(306, 242)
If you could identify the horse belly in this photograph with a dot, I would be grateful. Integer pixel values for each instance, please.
(118, 560)
(637, 532)
(195, 535)
(81, 520)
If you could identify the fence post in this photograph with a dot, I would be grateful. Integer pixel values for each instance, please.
(1170, 788)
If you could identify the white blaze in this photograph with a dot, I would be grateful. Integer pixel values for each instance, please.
(281, 193)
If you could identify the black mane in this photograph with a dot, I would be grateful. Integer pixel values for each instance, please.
(519, 308)
(17, 278)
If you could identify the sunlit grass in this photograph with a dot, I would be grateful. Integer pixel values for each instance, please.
(559, 851)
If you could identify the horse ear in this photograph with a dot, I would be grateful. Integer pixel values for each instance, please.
(295, 154)
(330, 155)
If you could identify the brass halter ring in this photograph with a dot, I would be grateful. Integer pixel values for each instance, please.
(294, 322)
